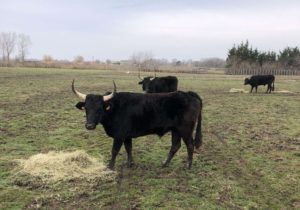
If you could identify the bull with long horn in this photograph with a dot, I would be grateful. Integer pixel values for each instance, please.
(93, 116)
(126, 115)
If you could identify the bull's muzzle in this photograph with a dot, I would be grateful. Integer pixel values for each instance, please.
(90, 126)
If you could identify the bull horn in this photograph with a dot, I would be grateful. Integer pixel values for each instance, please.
(80, 95)
(140, 75)
(153, 77)
(110, 96)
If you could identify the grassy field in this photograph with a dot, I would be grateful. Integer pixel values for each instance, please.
(250, 157)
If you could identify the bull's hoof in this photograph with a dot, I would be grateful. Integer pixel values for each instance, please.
(165, 164)
(130, 164)
(197, 150)
(110, 166)
(188, 166)
(198, 146)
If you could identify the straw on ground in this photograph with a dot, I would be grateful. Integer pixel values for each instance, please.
(62, 166)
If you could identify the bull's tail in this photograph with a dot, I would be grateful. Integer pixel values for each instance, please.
(198, 135)
(273, 87)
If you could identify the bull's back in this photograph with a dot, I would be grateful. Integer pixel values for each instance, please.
(156, 113)
(173, 84)
(262, 79)
(167, 84)
(175, 102)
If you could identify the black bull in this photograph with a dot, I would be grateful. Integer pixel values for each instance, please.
(257, 80)
(129, 115)
(159, 84)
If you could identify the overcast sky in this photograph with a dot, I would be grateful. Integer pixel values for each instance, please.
(186, 29)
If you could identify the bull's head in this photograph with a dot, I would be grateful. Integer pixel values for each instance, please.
(146, 82)
(246, 82)
(95, 106)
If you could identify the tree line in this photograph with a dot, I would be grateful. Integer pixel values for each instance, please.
(138, 61)
(145, 61)
(243, 59)
(14, 51)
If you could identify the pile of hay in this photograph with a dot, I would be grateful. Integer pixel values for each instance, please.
(283, 91)
(235, 90)
(64, 166)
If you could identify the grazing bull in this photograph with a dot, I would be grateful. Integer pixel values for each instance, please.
(257, 80)
(130, 115)
(159, 84)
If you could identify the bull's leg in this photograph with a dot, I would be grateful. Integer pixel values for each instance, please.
(190, 149)
(114, 152)
(255, 89)
(128, 147)
(176, 144)
(269, 89)
(251, 89)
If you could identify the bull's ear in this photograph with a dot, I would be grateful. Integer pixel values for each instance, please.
(80, 105)
(141, 82)
(108, 107)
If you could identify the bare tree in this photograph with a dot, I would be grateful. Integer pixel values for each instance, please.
(48, 60)
(108, 61)
(78, 59)
(212, 63)
(8, 42)
(137, 58)
(2, 48)
(144, 61)
(24, 42)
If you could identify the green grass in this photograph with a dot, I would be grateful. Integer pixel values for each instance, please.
(249, 159)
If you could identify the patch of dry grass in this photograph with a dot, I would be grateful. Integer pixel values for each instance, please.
(283, 91)
(63, 166)
(241, 90)
(236, 90)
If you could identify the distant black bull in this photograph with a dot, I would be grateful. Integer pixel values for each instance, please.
(159, 84)
(257, 80)
(130, 115)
